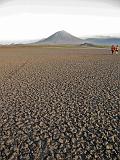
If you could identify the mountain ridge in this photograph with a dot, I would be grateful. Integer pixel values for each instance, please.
(63, 37)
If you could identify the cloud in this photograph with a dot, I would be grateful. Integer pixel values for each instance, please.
(73, 7)
(62, 2)
(112, 1)
(115, 3)
(4, 1)
(94, 7)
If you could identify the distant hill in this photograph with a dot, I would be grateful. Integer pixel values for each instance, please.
(61, 37)
(103, 41)
(87, 45)
(19, 42)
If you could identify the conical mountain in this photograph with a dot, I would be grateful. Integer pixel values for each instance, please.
(61, 37)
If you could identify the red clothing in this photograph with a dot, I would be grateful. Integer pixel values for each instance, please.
(113, 48)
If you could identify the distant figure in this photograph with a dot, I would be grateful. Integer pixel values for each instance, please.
(116, 49)
(113, 49)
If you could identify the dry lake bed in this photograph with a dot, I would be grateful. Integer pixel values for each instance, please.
(59, 103)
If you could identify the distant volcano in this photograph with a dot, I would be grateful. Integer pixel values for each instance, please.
(61, 37)
(64, 38)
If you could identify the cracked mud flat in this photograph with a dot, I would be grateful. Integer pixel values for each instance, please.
(59, 104)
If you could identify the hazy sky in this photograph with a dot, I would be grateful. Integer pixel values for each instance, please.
(36, 19)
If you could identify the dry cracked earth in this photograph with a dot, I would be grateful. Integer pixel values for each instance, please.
(59, 104)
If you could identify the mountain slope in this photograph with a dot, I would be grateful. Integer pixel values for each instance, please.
(103, 41)
(61, 37)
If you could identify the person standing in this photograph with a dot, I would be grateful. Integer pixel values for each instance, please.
(112, 49)
(116, 49)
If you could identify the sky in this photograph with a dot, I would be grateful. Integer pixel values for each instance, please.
(37, 19)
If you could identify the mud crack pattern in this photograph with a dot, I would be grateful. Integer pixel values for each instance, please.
(59, 104)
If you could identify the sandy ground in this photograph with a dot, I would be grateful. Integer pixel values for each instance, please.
(59, 104)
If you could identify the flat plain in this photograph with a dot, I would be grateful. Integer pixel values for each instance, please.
(59, 103)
